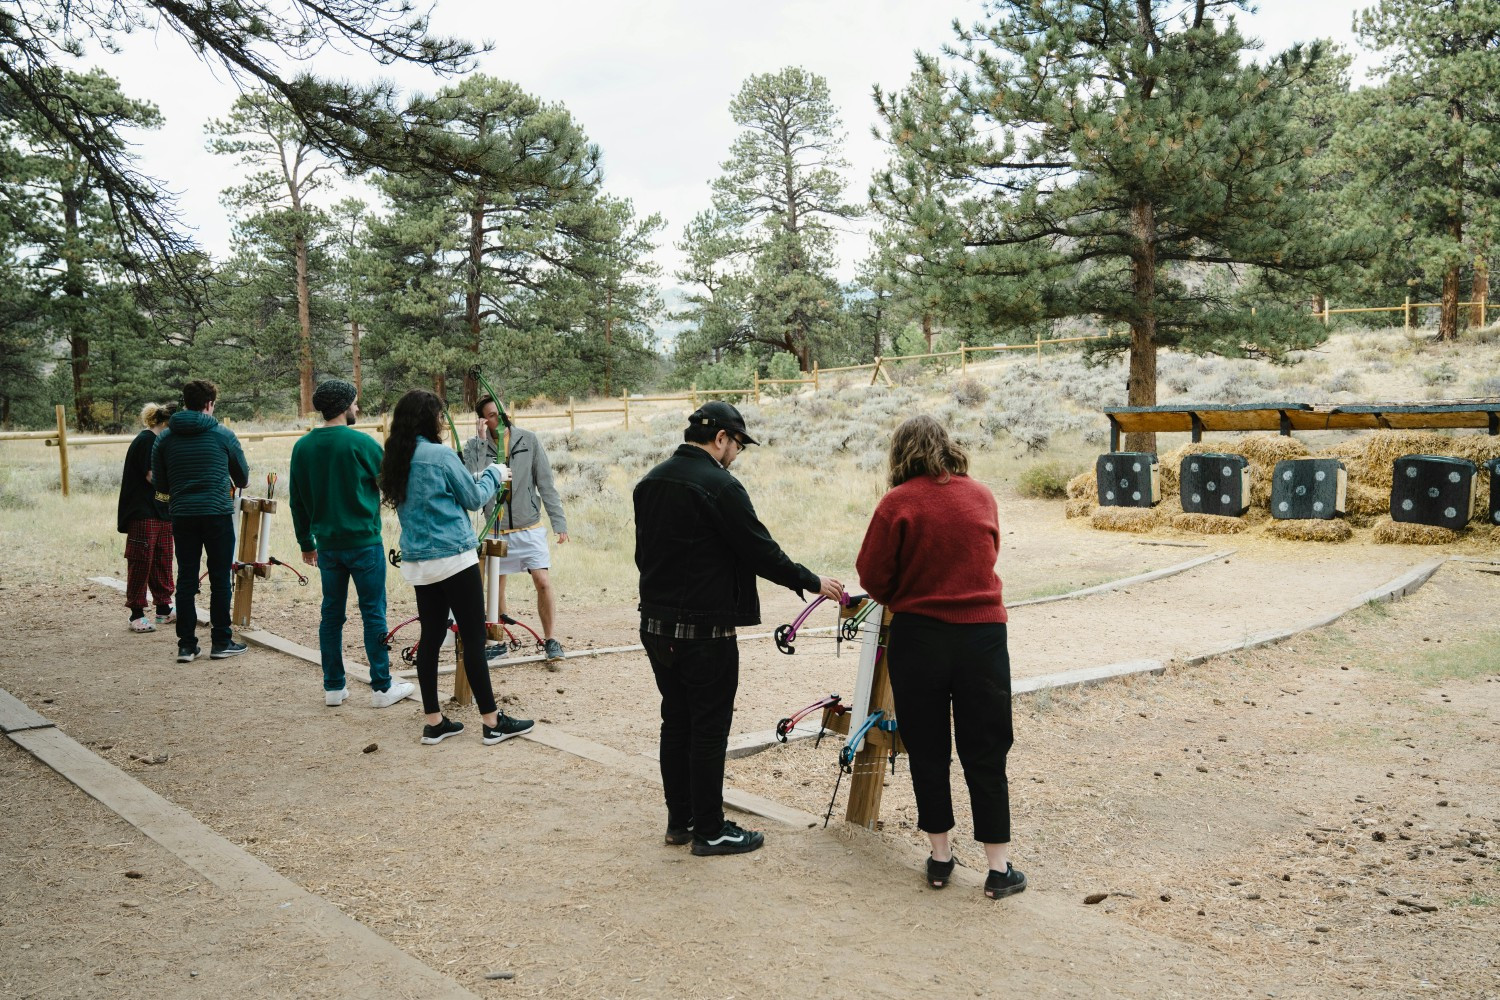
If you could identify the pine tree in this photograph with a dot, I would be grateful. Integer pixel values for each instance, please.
(1115, 154)
(1423, 144)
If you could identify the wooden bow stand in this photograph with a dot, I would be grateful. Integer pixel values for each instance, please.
(490, 552)
(254, 552)
(872, 692)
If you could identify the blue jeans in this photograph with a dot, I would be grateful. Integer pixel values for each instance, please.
(367, 568)
(198, 539)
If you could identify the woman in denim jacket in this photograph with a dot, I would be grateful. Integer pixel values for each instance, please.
(432, 492)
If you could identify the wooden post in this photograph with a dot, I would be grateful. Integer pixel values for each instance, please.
(875, 375)
(462, 693)
(1039, 347)
(963, 357)
(625, 399)
(385, 428)
(1327, 310)
(815, 376)
(756, 386)
(867, 784)
(244, 576)
(572, 426)
(62, 445)
(694, 390)
(1408, 313)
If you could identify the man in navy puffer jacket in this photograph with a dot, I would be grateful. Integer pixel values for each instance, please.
(195, 466)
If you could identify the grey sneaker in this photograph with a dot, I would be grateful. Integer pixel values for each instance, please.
(554, 651)
(224, 652)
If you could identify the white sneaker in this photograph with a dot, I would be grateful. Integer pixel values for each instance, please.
(333, 699)
(399, 691)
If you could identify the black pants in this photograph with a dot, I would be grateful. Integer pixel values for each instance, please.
(697, 679)
(196, 539)
(462, 595)
(937, 668)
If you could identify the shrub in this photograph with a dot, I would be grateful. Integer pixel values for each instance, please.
(1487, 386)
(1347, 380)
(1045, 481)
(1442, 374)
(970, 392)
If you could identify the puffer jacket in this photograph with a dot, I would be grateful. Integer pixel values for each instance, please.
(195, 465)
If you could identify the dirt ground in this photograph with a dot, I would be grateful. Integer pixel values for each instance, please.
(1317, 818)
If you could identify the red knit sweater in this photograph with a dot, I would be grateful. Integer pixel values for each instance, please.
(931, 549)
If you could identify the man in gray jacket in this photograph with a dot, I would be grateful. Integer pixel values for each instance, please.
(195, 465)
(520, 523)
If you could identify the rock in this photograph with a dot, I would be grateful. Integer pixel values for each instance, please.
(560, 691)
(134, 874)
(1095, 897)
(1378, 836)
(371, 748)
(1166, 897)
(1322, 929)
(499, 975)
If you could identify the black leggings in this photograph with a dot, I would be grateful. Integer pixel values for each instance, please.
(937, 668)
(462, 594)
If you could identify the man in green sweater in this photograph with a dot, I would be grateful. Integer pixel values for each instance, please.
(335, 493)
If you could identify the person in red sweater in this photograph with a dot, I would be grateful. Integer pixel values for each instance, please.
(929, 557)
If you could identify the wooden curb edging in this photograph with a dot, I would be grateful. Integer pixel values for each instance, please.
(249, 881)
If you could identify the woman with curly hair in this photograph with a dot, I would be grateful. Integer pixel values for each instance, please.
(432, 492)
(929, 557)
(148, 534)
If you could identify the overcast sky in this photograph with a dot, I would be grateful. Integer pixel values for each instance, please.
(650, 82)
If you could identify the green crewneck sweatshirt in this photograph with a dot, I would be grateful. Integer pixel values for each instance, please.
(335, 489)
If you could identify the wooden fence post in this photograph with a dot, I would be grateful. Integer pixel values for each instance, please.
(963, 357)
(571, 425)
(875, 375)
(756, 385)
(815, 376)
(1327, 311)
(385, 428)
(1039, 347)
(62, 445)
(625, 398)
(1407, 311)
(693, 388)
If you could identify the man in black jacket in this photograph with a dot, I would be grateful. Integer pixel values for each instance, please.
(195, 466)
(699, 548)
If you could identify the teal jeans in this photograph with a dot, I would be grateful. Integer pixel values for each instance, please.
(366, 567)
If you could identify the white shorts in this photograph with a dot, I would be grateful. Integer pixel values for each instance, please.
(526, 550)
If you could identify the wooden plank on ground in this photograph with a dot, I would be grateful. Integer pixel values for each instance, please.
(17, 716)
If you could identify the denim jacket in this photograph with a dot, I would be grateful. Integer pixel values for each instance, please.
(439, 491)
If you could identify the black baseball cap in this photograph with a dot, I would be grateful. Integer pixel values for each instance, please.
(721, 415)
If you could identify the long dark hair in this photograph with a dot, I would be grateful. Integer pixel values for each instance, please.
(417, 414)
(921, 447)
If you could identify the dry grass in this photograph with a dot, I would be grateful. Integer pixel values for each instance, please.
(1079, 507)
(1084, 486)
(1298, 530)
(1388, 532)
(1209, 524)
(1141, 520)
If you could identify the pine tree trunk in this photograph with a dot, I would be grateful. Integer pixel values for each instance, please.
(78, 340)
(1448, 310)
(1141, 381)
(927, 330)
(1479, 314)
(609, 322)
(359, 383)
(471, 301)
(304, 327)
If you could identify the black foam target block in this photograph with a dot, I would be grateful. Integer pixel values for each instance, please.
(1434, 489)
(1214, 483)
(1493, 466)
(1308, 489)
(1128, 479)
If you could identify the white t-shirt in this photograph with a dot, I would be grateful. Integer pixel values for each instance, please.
(427, 571)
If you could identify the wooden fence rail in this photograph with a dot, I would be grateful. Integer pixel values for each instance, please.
(1406, 307)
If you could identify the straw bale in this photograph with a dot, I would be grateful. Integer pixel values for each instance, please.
(1083, 486)
(1264, 450)
(1388, 532)
(1079, 507)
(1141, 520)
(1312, 530)
(1364, 501)
(1208, 524)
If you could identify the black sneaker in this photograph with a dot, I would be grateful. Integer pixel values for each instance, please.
(998, 885)
(730, 840)
(230, 648)
(187, 654)
(679, 835)
(496, 652)
(433, 735)
(505, 727)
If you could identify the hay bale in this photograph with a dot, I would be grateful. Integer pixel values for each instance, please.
(1141, 520)
(1079, 507)
(1362, 501)
(1388, 532)
(1298, 530)
(1263, 451)
(1083, 486)
(1208, 524)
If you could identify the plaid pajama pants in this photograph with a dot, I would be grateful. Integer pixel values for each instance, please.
(148, 559)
